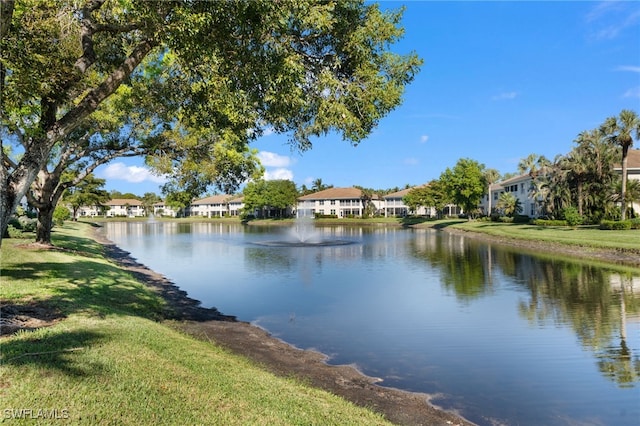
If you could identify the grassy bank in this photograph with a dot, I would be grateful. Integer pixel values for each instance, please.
(582, 236)
(109, 360)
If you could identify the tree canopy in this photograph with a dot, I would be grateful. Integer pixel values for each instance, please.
(465, 184)
(300, 67)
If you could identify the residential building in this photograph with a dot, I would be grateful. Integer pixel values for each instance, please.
(520, 186)
(633, 173)
(162, 209)
(394, 205)
(124, 207)
(340, 202)
(216, 206)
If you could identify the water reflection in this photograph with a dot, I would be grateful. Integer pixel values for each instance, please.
(504, 337)
(595, 301)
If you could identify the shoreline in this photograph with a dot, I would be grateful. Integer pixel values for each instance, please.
(281, 358)
(255, 343)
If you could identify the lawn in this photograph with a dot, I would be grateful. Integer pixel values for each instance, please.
(109, 359)
(581, 236)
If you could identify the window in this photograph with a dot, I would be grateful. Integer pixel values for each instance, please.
(322, 202)
(333, 211)
(522, 188)
(333, 203)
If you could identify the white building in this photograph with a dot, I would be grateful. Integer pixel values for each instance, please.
(520, 187)
(339, 202)
(162, 209)
(633, 173)
(124, 207)
(394, 205)
(216, 206)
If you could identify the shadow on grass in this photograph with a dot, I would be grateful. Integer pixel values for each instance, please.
(88, 286)
(53, 351)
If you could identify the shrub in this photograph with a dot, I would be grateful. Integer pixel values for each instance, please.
(571, 215)
(60, 214)
(27, 224)
(616, 225)
(549, 222)
(521, 218)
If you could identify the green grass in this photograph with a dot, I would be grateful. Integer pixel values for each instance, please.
(581, 236)
(110, 361)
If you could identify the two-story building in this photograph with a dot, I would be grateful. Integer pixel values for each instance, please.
(394, 205)
(340, 202)
(520, 187)
(124, 207)
(633, 173)
(216, 206)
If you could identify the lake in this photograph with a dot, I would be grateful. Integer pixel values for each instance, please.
(500, 336)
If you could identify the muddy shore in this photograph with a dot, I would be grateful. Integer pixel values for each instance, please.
(399, 407)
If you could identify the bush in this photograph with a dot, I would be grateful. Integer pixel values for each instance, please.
(617, 225)
(27, 224)
(549, 222)
(521, 218)
(571, 215)
(60, 214)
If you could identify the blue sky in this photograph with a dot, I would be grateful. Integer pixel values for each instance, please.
(500, 80)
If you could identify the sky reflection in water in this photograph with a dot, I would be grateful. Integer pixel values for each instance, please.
(498, 335)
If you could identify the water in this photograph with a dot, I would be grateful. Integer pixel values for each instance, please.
(502, 337)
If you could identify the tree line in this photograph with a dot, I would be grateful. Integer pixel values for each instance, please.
(583, 180)
(186, 84)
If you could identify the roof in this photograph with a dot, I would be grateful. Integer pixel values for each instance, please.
(403, 192)
(633, 160)
(334, 194)
(123, 202)
(215, 199)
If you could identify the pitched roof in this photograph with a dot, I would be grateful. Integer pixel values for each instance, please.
(633, 159)
(403, 192)
(123, 202)
(333, 194)
(214, 199)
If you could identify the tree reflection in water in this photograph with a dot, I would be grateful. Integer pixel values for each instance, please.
(594, 300)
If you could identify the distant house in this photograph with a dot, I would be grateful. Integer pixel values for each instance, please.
(89, 211)
(162, 209)
(124, 207)
(633, 172)
(394, 205)
(216, 206)
(339, 202)
(519, 186)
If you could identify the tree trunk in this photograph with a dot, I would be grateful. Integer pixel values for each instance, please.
(45, 224)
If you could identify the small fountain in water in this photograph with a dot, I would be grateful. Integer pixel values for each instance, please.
(304, 234)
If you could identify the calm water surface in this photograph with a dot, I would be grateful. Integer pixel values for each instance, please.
(500, 336)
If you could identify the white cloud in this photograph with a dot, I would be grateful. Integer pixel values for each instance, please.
(632, 93)
(610, 18)
(505, 96)
(411, 161)
(133, 174)
(424, 138)
(628, 68)
(277, 174)
(271, 159)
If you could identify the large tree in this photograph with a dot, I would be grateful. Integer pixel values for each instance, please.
(465, 184)
(301, 67)
(621, 131)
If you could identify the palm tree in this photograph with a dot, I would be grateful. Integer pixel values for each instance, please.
(509, 204)
(491, 176)
(576, 163)
(533, 164)
(621, 131)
